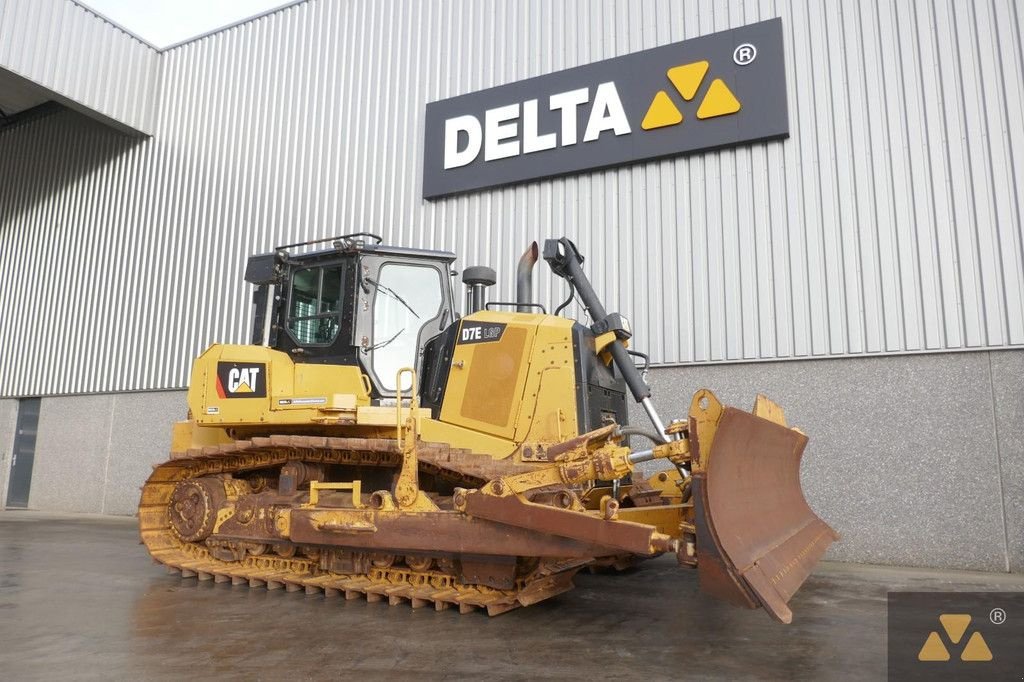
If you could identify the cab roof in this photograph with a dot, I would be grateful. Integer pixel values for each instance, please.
(261, 267)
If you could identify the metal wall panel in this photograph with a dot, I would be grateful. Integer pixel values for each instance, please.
(889, 222)
(80, 56)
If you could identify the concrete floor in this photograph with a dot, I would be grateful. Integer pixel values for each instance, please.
(80, 598)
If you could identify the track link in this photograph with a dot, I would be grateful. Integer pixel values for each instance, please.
(397, 585)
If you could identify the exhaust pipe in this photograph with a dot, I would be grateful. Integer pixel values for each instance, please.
(524, 278)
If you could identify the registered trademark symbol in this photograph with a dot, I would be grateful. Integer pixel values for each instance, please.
(744, 54)
(997, 616)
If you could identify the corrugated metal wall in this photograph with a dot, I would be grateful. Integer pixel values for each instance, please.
(890, 221)
(73, 52)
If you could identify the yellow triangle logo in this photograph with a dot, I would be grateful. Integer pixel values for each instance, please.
(661, 113)
(243, 388)
(687, 78)
(976, 649)
(955, 625)
(933, 649)
(719, 101)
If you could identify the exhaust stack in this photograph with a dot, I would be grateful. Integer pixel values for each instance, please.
(524, 278)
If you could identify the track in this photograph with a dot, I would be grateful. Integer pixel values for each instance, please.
(396, 584)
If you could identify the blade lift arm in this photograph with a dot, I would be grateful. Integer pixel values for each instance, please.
(566, 262)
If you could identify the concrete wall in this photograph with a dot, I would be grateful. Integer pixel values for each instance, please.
(1008, 396)
(8, 422)
(916, 460)
(94, 452)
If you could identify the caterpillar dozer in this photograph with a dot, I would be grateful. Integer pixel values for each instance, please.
(370, 442)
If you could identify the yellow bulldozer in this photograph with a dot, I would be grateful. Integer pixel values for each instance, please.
(370, 442)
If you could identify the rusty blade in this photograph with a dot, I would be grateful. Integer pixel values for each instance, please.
(757, 537)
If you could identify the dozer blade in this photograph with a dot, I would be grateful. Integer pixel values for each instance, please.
(757, 539)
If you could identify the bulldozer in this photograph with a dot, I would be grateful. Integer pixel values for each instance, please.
(372, 442)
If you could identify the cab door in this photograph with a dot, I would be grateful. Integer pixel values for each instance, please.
(404, 304)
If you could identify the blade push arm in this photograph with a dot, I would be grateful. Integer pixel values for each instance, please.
(595, 456)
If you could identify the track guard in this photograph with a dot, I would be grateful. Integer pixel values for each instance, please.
(757, 538)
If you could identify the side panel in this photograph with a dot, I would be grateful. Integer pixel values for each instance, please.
(548, 412)
(512, 376)
(257, 385)
(488, 372)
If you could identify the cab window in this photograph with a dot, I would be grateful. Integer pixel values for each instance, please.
(407, 297)
(315, 305)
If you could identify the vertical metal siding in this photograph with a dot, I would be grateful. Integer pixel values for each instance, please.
(75, 53)
(890, 220)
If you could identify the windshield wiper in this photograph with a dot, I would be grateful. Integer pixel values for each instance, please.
(391, 292)
(376, 346)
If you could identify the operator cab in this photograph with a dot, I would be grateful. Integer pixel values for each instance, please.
(357, 303)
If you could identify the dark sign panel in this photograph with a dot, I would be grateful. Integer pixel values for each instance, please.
(713, 91)
(241, 380)
(480, 332)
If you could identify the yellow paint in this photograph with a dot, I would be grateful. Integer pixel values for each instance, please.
(663, 517)
(933, 649)
(374, 415)
(188, 434)
(602, 341)
(312, 380)
(976, 649)
(955, 625)
(661, 113)
(687, 78)
(297, 393)
(355, 486)
(495, 378)
(486, 380)
(706, 410)
(519, 389)
(547, 412)
(718, 101)
(434, 431)
(765, 408)
(667, 482)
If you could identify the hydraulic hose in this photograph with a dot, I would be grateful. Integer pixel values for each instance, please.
(636, 431)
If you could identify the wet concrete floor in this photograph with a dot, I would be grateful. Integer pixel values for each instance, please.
(80, 599)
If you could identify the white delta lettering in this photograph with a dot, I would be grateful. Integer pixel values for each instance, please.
(243, 378)
(499, 135)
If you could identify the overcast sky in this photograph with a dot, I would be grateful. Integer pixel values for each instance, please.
(165, 22)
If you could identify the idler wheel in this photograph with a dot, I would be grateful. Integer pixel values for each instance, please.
(193, 508)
